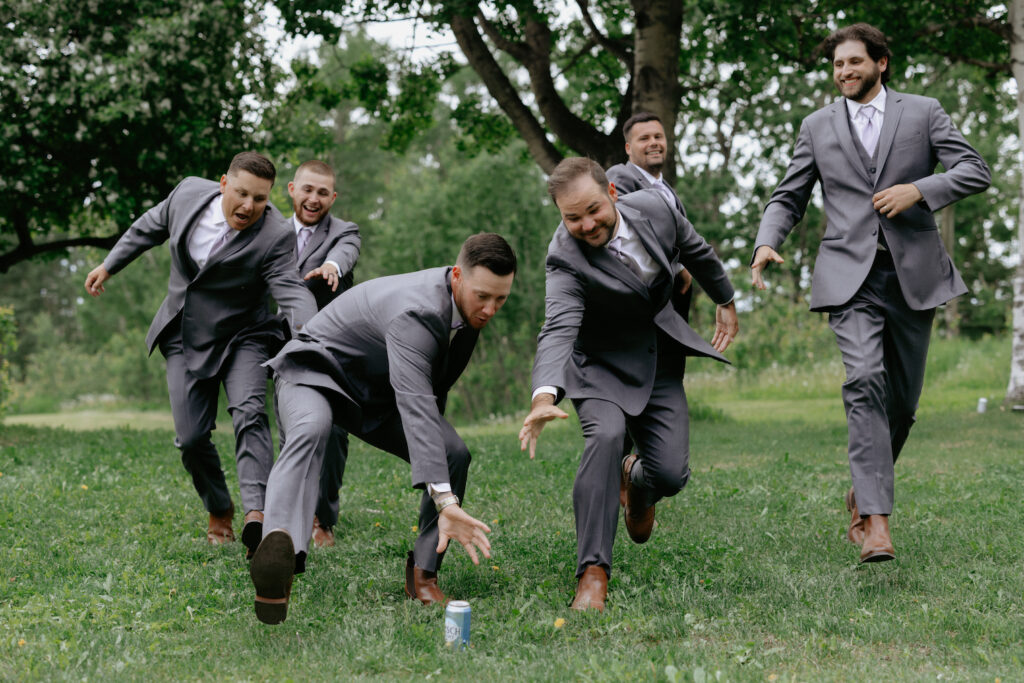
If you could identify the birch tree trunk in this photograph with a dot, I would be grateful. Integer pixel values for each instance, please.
(1015, 390)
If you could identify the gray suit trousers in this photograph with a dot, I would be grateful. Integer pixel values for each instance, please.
(885, 346)
(294, 486)
(662, 437)
(194, 407)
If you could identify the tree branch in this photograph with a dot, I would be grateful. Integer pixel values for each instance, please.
(501, 89)
(25, 251)
(617, 48)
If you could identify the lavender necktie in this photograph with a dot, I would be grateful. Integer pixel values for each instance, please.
(304, 235)
(869, 134)
(221, 241)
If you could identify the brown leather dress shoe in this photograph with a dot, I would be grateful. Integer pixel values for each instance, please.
(272, 570)
(323, 536)
(252, 532)
(591, 589)
(219, 530)
(422, 585)
(855, 533)
(639, 518)
(877, 542)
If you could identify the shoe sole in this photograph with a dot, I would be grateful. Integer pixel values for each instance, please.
(252, 534)
(878, 556)
(272, 569)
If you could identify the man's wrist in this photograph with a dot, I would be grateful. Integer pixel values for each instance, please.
(444, 499)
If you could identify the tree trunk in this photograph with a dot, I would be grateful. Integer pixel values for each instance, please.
(659, 25)
(1015, 389)
(947, 221)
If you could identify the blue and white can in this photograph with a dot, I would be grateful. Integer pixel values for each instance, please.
(456, 625)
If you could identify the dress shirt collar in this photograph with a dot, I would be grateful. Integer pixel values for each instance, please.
(299, 225)
(651, 179)
(854, 107)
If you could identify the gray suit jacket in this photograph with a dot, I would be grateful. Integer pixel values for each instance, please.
(916, 135)
(628, 178)
(333, 240)
(383, 348)
(602, 322)
(226, 300)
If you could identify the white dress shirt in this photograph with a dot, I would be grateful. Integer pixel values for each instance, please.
(209, 229)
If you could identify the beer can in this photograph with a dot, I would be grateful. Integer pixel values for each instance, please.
(456, 625)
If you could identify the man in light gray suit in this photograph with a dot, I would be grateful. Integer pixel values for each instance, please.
(614, 341)
(379, 360)
(326, 249)
(229, 248)
(881, 269)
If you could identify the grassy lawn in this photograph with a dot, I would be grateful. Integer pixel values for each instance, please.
(105, 573)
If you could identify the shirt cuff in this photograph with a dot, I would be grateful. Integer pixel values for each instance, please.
(544, 390)
(336, 266)
(442, 487)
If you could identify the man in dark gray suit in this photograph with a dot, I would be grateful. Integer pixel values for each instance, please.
(613, 341)
(646, 148)
(379, 360)
(881, 269)
(326, 249)
(229, 248)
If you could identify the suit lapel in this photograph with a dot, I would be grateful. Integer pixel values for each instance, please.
(841, 127)
(893, 111)
(183, 253)
(602, 259)
(315, 241)
(645, 230)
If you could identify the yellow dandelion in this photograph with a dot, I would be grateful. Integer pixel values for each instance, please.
(84, 487)
(559, 622)
(494, 521)
(773, 677)
(376, 524)
(494, 567)
(414, 528)
(21, 642)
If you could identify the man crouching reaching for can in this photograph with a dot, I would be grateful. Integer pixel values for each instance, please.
(379, 361)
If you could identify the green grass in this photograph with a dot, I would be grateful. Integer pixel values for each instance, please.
(105, 574)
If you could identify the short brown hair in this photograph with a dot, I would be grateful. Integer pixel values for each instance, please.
(490, 250)
(639, 117)
(874, 41)
(254, 163)
(571, 168)
(318, 167)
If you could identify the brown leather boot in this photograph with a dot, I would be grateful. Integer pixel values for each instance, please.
(855, 533)
(219, 530)
(877, 542)
(323, 536)
(252, 532)
(591, 590)
(422, 585)
(639, 517)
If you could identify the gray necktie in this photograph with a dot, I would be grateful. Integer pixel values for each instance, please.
(627, 261)
(869, 134)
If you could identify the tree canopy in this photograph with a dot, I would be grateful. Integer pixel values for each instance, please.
(107, 104)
